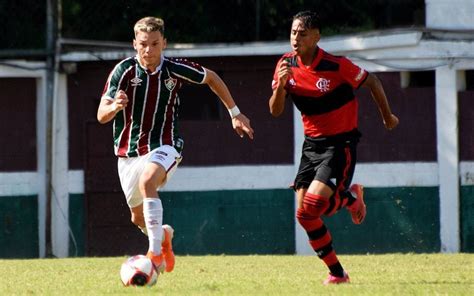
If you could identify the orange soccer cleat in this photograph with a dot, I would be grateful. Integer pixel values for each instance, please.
(167, 248)
(358, 208)
(158, 261)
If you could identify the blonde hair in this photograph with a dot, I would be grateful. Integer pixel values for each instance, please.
(149, 24)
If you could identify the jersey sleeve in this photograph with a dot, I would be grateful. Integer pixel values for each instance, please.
(352, 73)
(187, 70)
(110, 88)
(116, 80)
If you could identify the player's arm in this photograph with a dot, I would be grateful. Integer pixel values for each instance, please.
(277, 100)
(108, 108)
(378, 94)
(240, 122)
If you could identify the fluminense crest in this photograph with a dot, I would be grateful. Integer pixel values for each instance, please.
(170, 83)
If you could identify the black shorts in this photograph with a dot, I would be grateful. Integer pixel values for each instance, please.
(327, 159)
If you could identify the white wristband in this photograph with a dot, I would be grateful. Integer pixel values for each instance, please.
(234, 111)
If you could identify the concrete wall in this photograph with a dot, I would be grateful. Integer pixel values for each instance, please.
(450, 14)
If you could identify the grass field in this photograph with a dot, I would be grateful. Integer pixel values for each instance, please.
(393, 274)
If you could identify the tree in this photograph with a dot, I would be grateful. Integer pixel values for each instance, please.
(204, 21)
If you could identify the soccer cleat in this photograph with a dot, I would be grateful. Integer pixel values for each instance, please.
(158, 261)
(337, 280)
(358, 208)
(167, 248)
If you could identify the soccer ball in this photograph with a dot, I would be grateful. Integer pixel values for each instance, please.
(138, 270)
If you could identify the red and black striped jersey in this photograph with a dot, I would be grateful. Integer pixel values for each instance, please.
(150, 119)
(324, 92)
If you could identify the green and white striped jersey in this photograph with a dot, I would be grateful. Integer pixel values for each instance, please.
(151, 116)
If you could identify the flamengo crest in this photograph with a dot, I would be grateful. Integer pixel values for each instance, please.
(323, 84)
(170, 83)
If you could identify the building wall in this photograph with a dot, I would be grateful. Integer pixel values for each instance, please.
(19, 235)
(449, 14)
(244, 205)
(19, 230)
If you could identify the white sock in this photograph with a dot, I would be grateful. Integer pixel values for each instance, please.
(153, 213)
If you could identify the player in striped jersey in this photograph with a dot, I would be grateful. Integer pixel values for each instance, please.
(321, 87)
(141, 97)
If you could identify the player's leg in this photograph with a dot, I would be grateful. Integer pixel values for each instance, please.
(313, 202)
(129, 170)
(161, 165)
(138, 219)
(135, 202)
(349, 196)
(153, 176)
(166, 239)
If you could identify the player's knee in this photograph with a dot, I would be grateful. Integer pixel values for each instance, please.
(145, 182)
(315, 205)
(304, 218)
(149, 182)
(308, 221)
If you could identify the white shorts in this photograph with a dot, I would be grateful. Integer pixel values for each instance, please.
(130, 170)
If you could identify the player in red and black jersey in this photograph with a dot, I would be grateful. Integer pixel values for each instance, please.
(321, 87)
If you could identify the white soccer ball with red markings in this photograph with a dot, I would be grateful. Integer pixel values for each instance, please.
(138, 270)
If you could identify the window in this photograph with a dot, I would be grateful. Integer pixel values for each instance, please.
(469, 79)
(422, 79)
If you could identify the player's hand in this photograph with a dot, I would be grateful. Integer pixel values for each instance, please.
(391, 122)
(120, 101)
(284, 71)
(241, 125)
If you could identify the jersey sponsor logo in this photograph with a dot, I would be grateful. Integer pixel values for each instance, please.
(136, 81)
(170, 83)
(159, 158)
(359, 75)
(323, 84)
(162, 153)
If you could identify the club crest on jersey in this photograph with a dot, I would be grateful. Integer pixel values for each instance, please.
(136, 81)
(170, 83)
(323, 84)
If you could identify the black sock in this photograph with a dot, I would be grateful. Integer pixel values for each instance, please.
(337, 270)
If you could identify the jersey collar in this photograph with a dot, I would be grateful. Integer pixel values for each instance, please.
(317, 59)
(146, 70)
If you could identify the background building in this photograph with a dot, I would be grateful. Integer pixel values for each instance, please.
(231, 195)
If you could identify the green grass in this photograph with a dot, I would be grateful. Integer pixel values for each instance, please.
(393, 274)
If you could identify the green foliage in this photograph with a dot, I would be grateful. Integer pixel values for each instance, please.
(204, 21)
(392, 274)
(23, 25)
